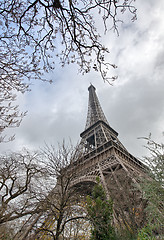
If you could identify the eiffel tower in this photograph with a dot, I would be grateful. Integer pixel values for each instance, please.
(101, 151)
(101, 154)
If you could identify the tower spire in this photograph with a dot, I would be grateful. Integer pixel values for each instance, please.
(95, 112)
(97, 130)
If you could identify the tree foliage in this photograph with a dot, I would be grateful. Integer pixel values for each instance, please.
(100, 214)
(6, 232)
(153, 191)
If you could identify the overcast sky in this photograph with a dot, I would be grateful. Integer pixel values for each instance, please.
(134, 106)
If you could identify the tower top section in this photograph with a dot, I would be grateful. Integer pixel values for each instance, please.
(95, 112)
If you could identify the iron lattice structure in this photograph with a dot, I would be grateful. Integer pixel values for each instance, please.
(97, 130)
(100, 149)
(103, 155)
(100, 153)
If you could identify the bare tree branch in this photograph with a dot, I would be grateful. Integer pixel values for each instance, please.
(19, 172)
(36, 34)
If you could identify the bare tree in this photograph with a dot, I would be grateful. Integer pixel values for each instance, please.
(16, 70)
(10, 115)
(20, 175)
(63, 203)
(41, 25)
(31, 30)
